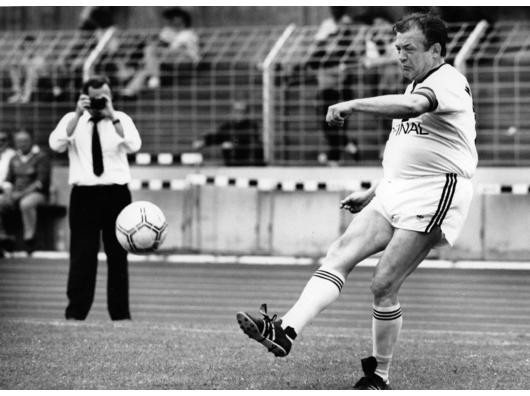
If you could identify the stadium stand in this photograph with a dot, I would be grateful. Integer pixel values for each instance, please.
(298, 139)
(194, 99)
(498, 71)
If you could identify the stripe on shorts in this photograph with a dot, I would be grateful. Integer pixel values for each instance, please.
(379, 315)
(323, 274)
(445, 202)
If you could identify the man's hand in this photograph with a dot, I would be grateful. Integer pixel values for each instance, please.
(108, 111)
(338, 113)
(83, 103)
(357, 200)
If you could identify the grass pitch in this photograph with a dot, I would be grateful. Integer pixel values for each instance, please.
(462, 329)
(40, 354)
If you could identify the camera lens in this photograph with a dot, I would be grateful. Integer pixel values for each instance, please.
(98, 103)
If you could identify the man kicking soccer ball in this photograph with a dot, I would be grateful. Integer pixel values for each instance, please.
(422, 200)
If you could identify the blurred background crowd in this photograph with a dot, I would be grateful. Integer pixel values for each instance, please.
(250, 85)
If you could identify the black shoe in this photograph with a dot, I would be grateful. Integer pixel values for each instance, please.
(29, 246)
(370, 381)
(267, 331)
(7, 243)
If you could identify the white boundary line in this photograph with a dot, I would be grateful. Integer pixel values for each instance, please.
(339, 332)
(283, 260)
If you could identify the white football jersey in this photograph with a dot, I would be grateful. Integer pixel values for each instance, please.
(441, 140)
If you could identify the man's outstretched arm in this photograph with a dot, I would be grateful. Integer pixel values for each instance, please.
(392, 106)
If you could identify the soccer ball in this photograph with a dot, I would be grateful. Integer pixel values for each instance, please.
(141, 227)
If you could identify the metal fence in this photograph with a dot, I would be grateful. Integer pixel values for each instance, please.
(499, 72)
(40, 73)
(311, 74)
(286, 75)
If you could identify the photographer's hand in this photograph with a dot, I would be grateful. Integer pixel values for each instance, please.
(110, 113)
(83, 103)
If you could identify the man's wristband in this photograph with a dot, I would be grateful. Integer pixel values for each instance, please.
(114, 122)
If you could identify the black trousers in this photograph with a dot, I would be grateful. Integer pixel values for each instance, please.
(336, 137)
(92, 215)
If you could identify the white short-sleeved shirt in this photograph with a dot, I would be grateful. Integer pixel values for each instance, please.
(441, 140)
(79, 146)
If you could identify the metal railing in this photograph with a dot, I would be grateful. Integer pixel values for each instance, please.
(284, 74)
(499, 71)
(355, 61)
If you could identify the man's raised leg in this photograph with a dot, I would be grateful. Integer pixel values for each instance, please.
(368, 233)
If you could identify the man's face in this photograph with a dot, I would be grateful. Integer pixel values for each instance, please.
(23, 142)
(97, 93)
(239, 111)
(177, 22)
(415, 59)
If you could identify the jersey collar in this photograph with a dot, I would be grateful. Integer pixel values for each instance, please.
(428, 74)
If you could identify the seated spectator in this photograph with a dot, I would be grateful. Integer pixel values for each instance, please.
(175, 42)
(25, 74)
(92, 20)
(382, 71)
(328, 56)
(6, 153)
(238, 137)
(381, 55)
(26, 186)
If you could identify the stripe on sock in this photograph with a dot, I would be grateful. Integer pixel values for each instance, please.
(380, 315)
(323, 274)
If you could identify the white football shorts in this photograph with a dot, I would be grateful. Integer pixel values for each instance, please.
(422, 203)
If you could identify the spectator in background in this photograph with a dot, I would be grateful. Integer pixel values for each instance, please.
(381, 56)
(238, 137)
(96, 17)
(25, 73)
(382, 71)
(92, 20)
(327, 57)
(6, 153)
(27, 186)
(175, 42)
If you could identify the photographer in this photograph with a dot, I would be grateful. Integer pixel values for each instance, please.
(98, 139)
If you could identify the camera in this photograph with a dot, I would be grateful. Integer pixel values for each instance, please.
(98, 103)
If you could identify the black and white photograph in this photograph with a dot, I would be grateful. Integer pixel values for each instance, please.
(264, 197)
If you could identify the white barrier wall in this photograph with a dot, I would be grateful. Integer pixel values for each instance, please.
(238, 220)
(226, 220)
(506, 227)
(304, 223)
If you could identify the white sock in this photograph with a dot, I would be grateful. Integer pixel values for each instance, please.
(386, 325)
(321, 290)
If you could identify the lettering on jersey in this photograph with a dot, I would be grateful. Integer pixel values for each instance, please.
(406, 127)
